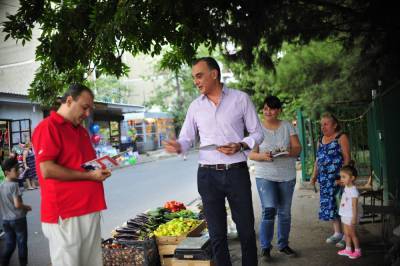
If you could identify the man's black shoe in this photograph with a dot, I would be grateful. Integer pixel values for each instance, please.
(288, 251)
(266, 254)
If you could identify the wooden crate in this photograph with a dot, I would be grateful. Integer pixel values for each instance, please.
(176, 262)
(166, 261)
(167, 244)
(175, 240)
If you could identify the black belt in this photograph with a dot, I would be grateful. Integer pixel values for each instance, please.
(222, 167)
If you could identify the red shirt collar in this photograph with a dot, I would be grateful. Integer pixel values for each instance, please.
(57, 117)
(60, 119)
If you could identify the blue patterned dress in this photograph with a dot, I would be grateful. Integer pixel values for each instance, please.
(30, 161)
(329, 161)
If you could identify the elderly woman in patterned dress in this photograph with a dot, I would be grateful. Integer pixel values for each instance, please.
(333, 152)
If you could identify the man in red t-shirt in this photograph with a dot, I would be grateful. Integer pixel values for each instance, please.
(71, 198)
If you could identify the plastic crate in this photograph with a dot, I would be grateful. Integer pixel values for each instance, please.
(130, 252)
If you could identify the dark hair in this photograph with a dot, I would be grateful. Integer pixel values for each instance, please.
(9, 164)
(273, 102)
(75, 90)
(350, 169)
(334, 119)
(211, 63)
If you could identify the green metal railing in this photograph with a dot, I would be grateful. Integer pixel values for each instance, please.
(356, 130)
(383, 130)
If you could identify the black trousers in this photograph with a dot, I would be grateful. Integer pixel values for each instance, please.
(234, 184)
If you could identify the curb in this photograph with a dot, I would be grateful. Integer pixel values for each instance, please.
(158, 155)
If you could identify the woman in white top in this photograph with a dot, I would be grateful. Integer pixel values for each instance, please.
(275, 169)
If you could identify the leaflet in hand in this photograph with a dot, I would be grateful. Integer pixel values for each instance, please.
(281, 153)
(120, 160)
(210, 147)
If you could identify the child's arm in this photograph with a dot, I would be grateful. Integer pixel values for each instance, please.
(20, 205)
(354, 202)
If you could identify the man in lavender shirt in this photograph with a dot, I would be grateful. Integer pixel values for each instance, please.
(221, 116)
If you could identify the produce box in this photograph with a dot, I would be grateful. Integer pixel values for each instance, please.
(175, 240)
(176, 262)
(167, 244)
(132, 253)
(167, 261)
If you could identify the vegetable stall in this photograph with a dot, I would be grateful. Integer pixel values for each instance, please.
(169, 235)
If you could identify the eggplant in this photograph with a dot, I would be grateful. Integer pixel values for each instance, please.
(127, 230)
(135, 224)
(126, 237)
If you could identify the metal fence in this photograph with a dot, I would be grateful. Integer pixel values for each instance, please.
(373, 130)
(354, 125)
(384, 144)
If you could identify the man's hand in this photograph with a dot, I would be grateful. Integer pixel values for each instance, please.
(99, 174)
(229, 149)
(28, 208)
(172, 146)
(353, 221)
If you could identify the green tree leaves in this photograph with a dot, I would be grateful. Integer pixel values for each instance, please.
(76, 34)
(311, 77)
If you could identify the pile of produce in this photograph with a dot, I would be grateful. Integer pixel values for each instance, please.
(159, 215)
(133, 243)
(177, 227)
(174, 206)
(179, 214)
(139, 228)
(115, 254)
(173, 219)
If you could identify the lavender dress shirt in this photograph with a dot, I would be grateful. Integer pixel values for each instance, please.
(220, 125)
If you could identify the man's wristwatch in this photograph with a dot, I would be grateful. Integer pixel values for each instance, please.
(241, 147)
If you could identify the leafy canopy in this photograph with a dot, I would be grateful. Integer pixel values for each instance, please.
(77, 34)
(311, 77)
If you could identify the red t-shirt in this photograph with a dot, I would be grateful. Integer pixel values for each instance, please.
(58, 140)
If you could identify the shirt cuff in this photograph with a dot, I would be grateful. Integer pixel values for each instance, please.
(185, 145)
(250, 142)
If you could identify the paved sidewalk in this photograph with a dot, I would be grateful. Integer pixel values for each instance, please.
(308, 236)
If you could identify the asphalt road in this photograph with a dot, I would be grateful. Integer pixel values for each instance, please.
(129, 191)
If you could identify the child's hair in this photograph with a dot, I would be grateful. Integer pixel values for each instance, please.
(9, 164)
(350, 169)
